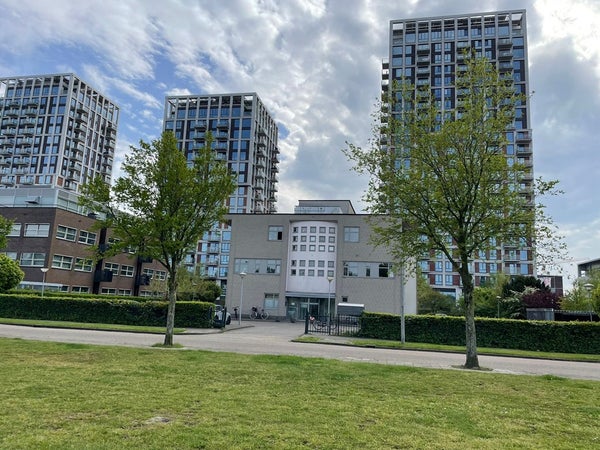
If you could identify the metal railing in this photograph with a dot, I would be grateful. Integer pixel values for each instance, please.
(339, 325)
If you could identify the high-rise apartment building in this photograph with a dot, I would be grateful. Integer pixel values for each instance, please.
(56, 133)
(55, 130)
(245, 135)
(429, 52)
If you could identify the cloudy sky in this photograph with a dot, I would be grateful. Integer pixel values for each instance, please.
(316, 65)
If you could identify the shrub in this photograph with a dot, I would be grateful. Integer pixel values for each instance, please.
(10, 273)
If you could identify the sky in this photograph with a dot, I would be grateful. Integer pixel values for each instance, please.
(316, 65)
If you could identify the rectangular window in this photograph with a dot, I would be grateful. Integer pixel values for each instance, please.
(86, 237)
(80, 289)
(351, 234)
(275, 233)
(66, 233)
(62, 262)
(33, 259)
(448, 280)
(11, 255)
(37, 229)
(126, 271)
(271, 301)
(83, 264)
(113, 267)
(15, 230)
(108, 291)
(124, 291)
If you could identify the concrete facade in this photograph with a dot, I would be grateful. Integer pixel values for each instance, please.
(294, 263)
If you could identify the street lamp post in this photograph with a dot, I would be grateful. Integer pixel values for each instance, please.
(44, 270)
(498, 298)
(588, 287)
(242, 275)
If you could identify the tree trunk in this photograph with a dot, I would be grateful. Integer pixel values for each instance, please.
(472, 361)
(172, 296)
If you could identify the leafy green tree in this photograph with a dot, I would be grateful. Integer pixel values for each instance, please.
(430, 301)
(584, 295)
(443, 183)
(518, 283)
(194, 287)
(162, 205)
(5, 227)
(10, 273)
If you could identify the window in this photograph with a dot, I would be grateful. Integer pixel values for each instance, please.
(83, 264)
(62, 262)
(124, 291)
(258, 266)
(275, 233)
(11, 255)
(351, 234)
(126, 271)
(80, 289)
(113, 267)
(384, 270)
(108, 291)
(86, 237)
(33, 259)
(271, 301)
(37, 229)
(66, 233)
(15, 230)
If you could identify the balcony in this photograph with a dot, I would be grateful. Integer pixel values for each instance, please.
(6, 151)
(78, 137)
(72, 176)
(197, 135)
(10, 132)
(81, 118)
(4, 162)
(507, 54)
(20, 161)
(75, 156)
(523, 137)
(223, 124)
(505, 43)
(27, 151)
(221, 135)
(27, 179)
(13, 112)
(32, 111)
(8, 180)
(10, 123)
(199, 125)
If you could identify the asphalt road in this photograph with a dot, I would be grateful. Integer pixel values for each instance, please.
(263, 337)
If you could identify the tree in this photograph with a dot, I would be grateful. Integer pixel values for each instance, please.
(194, 287)
(162, 205)
(5, 227)
(444, 183)
(10, 273)
(520, 282)
(585, 294)
(430, 301)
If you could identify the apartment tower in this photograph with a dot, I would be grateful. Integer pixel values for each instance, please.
(429, 52)
(245, 136)
(55, 131)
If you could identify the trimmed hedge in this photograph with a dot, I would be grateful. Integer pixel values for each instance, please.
(544, 336)
(104, 310)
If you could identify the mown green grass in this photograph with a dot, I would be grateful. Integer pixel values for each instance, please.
(380, 343)
(73, 396)
(87, 326)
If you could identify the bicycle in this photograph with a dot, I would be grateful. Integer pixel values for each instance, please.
(321, 324)
(256, 314)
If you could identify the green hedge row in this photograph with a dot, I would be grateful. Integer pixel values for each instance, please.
(103, 310)
(544, 336)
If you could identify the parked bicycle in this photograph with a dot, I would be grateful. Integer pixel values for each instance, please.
(320, 324)
(255, 313)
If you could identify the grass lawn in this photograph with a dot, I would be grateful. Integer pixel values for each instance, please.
(63, 396)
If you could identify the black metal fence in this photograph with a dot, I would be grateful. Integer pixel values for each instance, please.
(333, 326)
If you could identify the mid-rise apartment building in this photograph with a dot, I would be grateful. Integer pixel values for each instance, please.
(430, 52)
(246, 137)
(55, 130)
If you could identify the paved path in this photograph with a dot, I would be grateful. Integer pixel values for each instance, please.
(275, 338)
